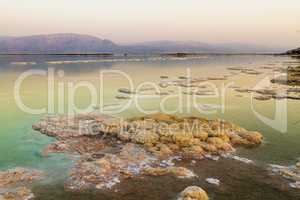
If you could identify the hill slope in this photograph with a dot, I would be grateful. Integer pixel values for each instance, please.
(166, 46)
(56, 43)
(76, 43)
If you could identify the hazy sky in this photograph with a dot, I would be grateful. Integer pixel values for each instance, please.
(271, 22)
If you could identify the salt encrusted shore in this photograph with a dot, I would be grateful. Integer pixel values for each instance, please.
(14, 183)
(291, 173)
(111, 149)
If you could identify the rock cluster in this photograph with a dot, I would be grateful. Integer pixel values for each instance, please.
(213, 181)
(275, 92)
(292, 173)
(286, 87)
(193, 193)
(179, 172)
(12, 183)
(18, 176)
(129, 161)
(292, 78)
(245, 70)
(170, 85)
(21, 193)
(112, 149)
(105, 172)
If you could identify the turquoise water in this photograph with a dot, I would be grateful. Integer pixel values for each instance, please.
(21, 146)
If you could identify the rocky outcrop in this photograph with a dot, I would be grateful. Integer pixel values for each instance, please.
(179, 172)
(193, 193)
(21, 193)
(213, 181)
(150, 131)
(105, 172)
(18, 176)
(288, 88)
(293, 52)
(291, 173)
(112, 149)
(12, 183)
(292, 78)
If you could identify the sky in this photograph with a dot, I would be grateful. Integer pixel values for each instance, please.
(265, 22)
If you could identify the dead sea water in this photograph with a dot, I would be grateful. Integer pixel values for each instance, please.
(21, 146)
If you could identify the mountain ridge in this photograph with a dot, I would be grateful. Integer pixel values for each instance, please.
(56, 43)
(83, 43)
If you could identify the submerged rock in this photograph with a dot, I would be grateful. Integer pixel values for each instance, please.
(295, 185)
(21, 193)
(245, 70)
(164, 77)
(251, 72)
(243, 90)
(182, 77)
(163, 85)
(213, 181)
(123, 97)
(107, 171)
(236, 68)
(126, 91)
(263, 98)
(217, 78)
(277, 92)
(179, 172)
(292, 78)
(291, 173)
(12, 183)
(18, 176)
(193, 193)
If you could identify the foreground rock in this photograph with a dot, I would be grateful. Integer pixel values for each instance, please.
(193, 193)
(179, 172)
(130, 161)
(18, 176)
(213, 181)
(245, 70)
(105, 172)
(291, 173)
(12, 183)
(274, 92)
(21, 193)
(292, 78)
(112, 149)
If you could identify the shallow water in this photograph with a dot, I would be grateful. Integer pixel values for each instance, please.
(237, 181)
(21, 146)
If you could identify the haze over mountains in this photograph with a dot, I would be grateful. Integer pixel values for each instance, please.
(77, 43)
(55, 43)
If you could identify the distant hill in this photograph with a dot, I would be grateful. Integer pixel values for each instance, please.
(294, 52)
(169, 47)
(56, 43)
(76, 43)
(199, 47)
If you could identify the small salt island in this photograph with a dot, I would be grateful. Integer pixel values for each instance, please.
(112, 150)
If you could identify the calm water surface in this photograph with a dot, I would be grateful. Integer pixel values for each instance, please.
(21, 146)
